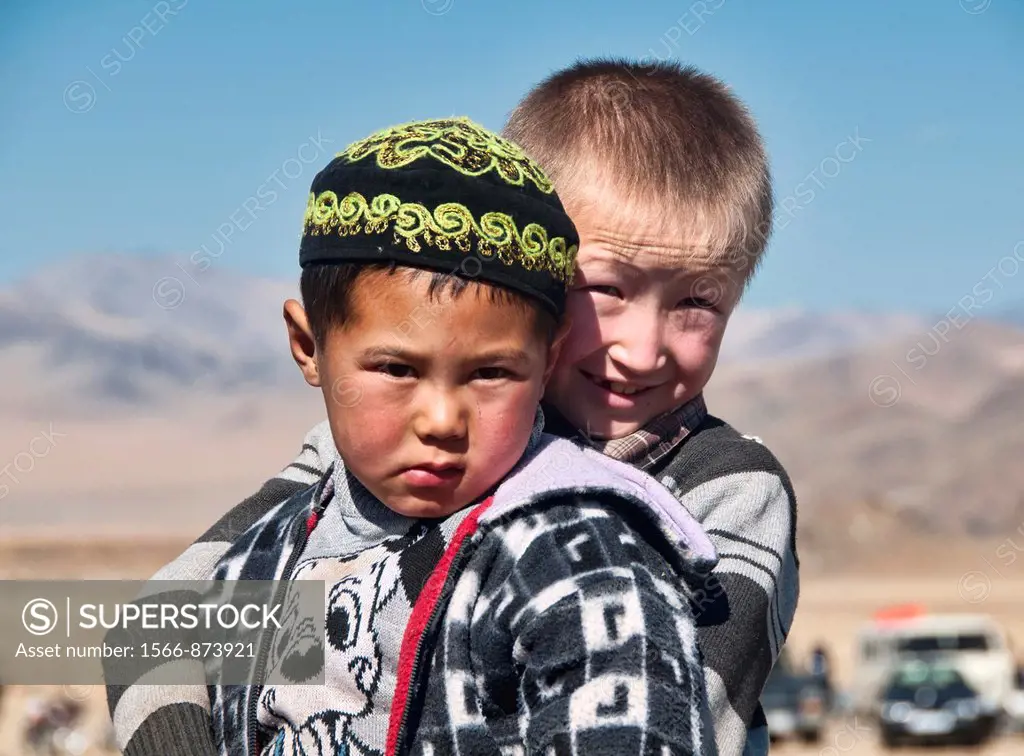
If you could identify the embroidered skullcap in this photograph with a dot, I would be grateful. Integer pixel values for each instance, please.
(446, 195)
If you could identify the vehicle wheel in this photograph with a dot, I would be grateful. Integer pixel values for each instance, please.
(889, 741)
(810, 737)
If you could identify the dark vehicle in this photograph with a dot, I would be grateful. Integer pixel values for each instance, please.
(794, 703)
(931, 703)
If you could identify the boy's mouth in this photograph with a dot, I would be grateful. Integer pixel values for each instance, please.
(615, 387)
(433, 475)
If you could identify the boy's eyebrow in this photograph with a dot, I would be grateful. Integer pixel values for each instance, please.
(509, 354)
(386, 351)
(670, 265)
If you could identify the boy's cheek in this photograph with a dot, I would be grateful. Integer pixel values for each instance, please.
(344, 392)
(359, 401)
(697, 364)
(584, 336)
(582, 309)
(572, 353)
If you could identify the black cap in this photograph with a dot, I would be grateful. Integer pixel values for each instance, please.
(446, 195)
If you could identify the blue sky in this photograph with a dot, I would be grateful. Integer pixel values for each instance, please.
(895, 129)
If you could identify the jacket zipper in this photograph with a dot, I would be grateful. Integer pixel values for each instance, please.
(414, 683)
(256, 690)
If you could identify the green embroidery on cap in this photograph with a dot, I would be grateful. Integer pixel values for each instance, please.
(448, 225)
(458, 143)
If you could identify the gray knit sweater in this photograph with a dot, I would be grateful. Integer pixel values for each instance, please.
(743, 498)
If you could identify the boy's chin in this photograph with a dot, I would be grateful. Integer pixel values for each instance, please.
(427, 509)
(429, 505)
(610, 430)
(608, 426)
(601, 416)
(599, 426)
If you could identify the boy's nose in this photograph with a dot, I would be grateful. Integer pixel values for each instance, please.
(440, 417)
(640, 347)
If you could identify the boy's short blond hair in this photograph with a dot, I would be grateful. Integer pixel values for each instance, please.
(662, 134)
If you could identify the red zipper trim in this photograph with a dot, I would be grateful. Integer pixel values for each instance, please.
(311, 522)
(419, 619)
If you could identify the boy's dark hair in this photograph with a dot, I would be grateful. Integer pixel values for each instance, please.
(656, 133)
(327, 294)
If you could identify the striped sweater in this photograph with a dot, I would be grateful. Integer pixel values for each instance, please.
(744, 609)
(743, 498)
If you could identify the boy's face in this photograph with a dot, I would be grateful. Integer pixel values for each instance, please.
(431, 401)
(647, 318)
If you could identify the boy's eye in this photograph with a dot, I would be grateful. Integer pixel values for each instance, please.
(698, 302)
(610, 291)
(491, 373)
(396, 370)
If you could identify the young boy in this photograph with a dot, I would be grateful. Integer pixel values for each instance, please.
(666, 179)
(489, 588)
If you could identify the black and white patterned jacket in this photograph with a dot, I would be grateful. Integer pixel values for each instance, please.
(553, 617)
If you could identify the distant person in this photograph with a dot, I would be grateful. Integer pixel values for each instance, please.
(821, 668)
(820, 665)
(665, 176)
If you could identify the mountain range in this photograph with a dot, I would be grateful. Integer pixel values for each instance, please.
(175, 388)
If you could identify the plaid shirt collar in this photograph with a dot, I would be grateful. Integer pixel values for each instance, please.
(644, 447)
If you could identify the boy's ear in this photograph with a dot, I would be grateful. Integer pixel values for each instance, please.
(556, 346)
(301, 342)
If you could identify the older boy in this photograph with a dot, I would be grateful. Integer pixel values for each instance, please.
(664, 175)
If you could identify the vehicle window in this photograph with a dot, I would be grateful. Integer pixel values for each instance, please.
(921, 644)
(972, 643)
(915, 675)
(928, 643)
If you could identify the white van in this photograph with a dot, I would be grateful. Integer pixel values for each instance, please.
(975, 643)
